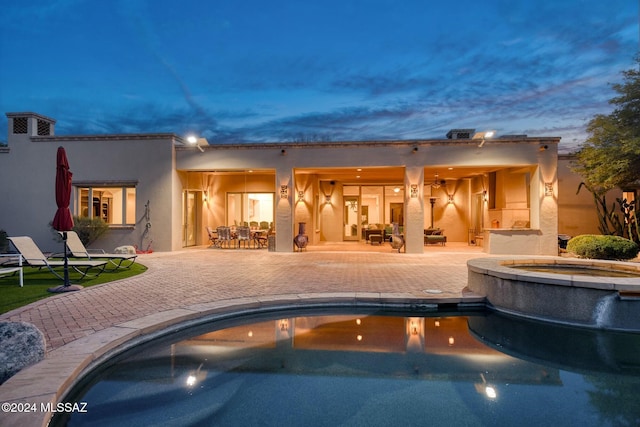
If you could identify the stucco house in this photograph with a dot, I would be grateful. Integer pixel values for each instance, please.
(505, 193)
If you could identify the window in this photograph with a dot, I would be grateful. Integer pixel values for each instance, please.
(114, 205)
(253, 209)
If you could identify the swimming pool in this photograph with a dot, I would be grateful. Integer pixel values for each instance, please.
(368, 368)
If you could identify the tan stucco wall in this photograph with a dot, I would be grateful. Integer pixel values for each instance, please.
(27, 185)
(577, 212)
(160, 170)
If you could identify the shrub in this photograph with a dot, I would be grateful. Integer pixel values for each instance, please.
(89, 229)
(4, 242)
(603, 247)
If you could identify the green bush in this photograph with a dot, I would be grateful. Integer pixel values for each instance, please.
(603, 247)
(4, 242)
(89, 229)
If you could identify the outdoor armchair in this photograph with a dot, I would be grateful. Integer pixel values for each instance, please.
(78, 250)
(12, 268)
(34, 257)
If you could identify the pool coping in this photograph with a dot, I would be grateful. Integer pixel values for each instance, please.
(503, 267)
(48, 381)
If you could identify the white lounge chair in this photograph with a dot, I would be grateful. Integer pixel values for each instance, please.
(10, 258)
(34, 257)
(78, 250)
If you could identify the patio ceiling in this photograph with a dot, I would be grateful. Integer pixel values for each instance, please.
(372, 175)
(378, 175)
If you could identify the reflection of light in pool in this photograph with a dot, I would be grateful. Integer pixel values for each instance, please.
(408, 371)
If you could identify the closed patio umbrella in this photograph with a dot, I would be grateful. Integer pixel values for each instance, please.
(63, 221)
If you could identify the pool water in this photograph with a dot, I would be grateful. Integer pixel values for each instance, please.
(369, 369)
(579, 271)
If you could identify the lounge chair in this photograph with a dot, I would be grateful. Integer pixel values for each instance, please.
(12, 269)
(78, 250)
(34, 257)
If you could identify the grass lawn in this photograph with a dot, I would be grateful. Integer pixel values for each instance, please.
(36, 283)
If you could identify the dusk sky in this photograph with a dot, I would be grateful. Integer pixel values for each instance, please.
(235, 71)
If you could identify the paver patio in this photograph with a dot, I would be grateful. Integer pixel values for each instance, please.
(179, 279)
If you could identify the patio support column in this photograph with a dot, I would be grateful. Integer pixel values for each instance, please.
(414, 209)
(544, 200)
(284, 209)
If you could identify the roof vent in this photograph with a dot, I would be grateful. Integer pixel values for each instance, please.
(460, 133)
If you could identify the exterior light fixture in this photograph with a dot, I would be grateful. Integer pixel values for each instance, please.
(414, 191)
(327, 200)
(415, 150)
(300, 195)
(283, 152)
(414, 326)
(548, 189)
(284, 191)
(483, 136)
(450, 198)
(193, 140)
(396, 190)
(437, 183)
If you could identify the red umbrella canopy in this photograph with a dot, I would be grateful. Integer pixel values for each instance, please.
(63, 221)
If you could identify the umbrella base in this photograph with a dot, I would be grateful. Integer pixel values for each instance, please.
(63, 288)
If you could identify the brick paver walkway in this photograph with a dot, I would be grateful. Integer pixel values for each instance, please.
(180, 279)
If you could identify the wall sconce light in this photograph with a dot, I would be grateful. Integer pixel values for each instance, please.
(544, 147)
(284, 325)
(283, 152)
(548, 189)
(300, 195)
(485, 196)
(414, 327)
(414, 190)
(450, 198)
(327, 200)
(284, 191)
(415, 150)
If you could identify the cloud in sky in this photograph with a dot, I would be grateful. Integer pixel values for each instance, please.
(338, 70)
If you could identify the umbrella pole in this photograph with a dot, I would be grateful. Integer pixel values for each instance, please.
(66, 260)
(66, 286)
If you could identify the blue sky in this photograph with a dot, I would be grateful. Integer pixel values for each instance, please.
(280, 70)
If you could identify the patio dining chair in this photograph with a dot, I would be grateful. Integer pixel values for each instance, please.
(224, 236)
(213, 236)
(262, 239)
(244, 235)
(34, 257)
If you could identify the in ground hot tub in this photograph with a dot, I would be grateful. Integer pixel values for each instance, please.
(591, 293)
